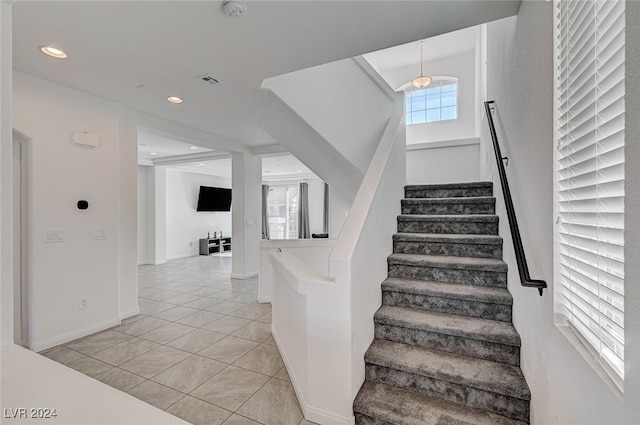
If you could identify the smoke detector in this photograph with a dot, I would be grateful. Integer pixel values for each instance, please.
(233, 8)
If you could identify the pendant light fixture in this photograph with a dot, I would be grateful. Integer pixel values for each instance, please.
(422, 81)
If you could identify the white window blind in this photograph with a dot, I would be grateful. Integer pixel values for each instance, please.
(590, 177)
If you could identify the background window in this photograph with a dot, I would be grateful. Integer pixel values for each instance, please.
(282, 206)
(438, 102)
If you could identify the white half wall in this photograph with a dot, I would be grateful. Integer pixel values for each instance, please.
(453, 161)
(185, 225)
(565, 388)
(79, 265)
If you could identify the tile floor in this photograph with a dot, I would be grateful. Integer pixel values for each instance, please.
(201, 348)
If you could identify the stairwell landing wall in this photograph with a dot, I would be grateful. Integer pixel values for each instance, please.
(61, 173)
(565, 389)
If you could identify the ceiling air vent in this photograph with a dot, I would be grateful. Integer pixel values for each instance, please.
(208, 79)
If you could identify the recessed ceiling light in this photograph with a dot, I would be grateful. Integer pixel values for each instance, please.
(174, 99)
(202, 163)
(153, 153)
(194, 148)
(233, 8)
(299, 171)
(53, 52)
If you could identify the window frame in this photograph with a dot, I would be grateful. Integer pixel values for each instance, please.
(442, 82)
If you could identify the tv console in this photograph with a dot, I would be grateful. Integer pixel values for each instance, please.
(210, 246)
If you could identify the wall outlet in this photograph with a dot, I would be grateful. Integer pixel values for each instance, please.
(83, 303)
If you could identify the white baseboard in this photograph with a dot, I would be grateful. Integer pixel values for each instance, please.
(129, 313)
(245, 276)
(311, 413)
(70, 336)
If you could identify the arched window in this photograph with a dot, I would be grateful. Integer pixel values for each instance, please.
(438, 102)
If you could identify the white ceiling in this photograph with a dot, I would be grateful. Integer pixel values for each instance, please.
(441, 46)
(163, 147)
(274, 168)
(137, 53)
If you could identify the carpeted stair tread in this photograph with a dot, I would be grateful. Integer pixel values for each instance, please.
(394, 405)
(442, 261)
(467, 218)
(454, 200)
(448, 238)
(448, 324)
(486, 294)
(486, 375)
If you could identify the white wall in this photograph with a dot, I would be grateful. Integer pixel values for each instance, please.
(565, 389)
(143, 215)
(358, 112)
(6, 219)
(185, 225)
(61, 174)
(444, 162)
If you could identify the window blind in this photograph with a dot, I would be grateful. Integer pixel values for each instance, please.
(590, 176)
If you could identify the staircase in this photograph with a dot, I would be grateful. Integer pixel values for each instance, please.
(445, 351)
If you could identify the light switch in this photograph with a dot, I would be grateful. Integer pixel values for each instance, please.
(99, 234)
(53, 236)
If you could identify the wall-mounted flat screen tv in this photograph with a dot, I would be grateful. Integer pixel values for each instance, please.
(214, 199)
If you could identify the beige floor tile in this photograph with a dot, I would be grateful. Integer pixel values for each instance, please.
(270, 341)
(176, 313)
(162, 295)
(196, 340)
(120, 379)
(283, 374)
(263, 359)
(266, 318)
(182, 299)
(141, 326)
(200, 318)
(255, 331)
(62, 355)
(155, 307)
(228, 349)
(240, 420)
(93, 343)
(90, 367)
(155, 361)
(125, 351)
(203, 303)
(190, 373)
(198, 412)
(274, 404)
(245, 299)
(167, 333)
(227, 324)
(252, 312)
(226, 307)
(156, 394)
(230, 388)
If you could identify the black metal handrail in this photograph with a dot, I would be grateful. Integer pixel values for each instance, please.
(521, 259)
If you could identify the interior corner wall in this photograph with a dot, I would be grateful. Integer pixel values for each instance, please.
(80, 266)
(185, 225)
(6, 185)
(565, 389)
